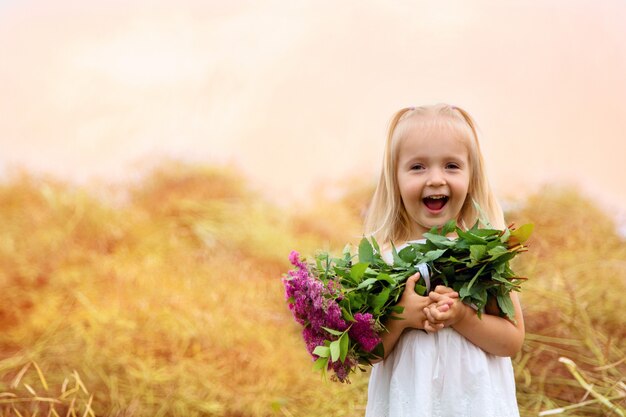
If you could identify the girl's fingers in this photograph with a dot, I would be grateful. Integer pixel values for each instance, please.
(436, 297)
(447, 302)
(441, 289)
(429, 316)
(428, 327)
(438, 314)
(432, 315)
(443, 308)
(410, 282)
(432, 328)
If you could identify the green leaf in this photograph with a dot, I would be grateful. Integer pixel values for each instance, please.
(477, 252)
(439, 241)
(366, 283)
(366, 252)
(357, 299)
(387, 278)
(323, 263)
(505, 236)
(335, 350)
(397, 309)
(408, 254)
(506, 305)
(464, 291)
(318, 264)
(322, 351)
(449, 227)
(420, 289)
(467, 286)
(523, 233)
(332, 331)
(471, 238)
(346, 252)
(397, 261)
(375, 245)
(320, 364)
(487, 233)
(358, 270)
(347, 314)
(433, 255)
(378, 301)
(497, 252)
(343, 272)
(448, 271)
(480, 296)
(481, 214)
(344, 343)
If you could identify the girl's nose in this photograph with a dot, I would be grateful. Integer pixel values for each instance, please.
(436, 179)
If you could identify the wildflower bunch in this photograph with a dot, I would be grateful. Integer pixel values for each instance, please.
(315, 305)
(342, 303)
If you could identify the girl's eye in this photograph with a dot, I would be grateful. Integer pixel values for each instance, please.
(452, 166)
(417, 167)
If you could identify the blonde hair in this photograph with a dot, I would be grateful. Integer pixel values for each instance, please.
(387, 219)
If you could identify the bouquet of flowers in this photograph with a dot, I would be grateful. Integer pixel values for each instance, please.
(342, 303)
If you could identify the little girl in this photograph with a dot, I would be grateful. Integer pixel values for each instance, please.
(441, 360)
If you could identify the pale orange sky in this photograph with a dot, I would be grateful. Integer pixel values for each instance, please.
(299, 93)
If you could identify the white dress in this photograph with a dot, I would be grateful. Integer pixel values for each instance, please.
(441, 375)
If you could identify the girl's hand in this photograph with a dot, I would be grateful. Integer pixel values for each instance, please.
(446, 308)
(412, 316)
(414, 307)
(433, 326)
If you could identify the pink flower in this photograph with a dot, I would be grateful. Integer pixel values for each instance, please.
(312, 303)
(363, 331)
(294, 258)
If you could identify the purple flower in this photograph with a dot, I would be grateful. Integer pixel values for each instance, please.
(311, 302)
(313, 339)
(342, 369)
(294, 258)
(363, 331)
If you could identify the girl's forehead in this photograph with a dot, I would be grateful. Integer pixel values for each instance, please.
(431, 134)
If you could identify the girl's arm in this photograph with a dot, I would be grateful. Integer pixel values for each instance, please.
(413, 315)
(493, 334)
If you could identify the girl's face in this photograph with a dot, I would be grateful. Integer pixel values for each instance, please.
(433, 177)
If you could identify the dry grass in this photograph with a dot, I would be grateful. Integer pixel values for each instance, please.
(171, 304)
(573, 307)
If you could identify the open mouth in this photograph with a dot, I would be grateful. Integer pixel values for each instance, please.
(435, 202)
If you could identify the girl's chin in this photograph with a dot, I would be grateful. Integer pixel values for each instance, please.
(425, 227)
(434, 221)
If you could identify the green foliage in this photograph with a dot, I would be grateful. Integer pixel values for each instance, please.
(475, 263)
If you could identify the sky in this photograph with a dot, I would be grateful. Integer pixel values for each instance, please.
(297, 95)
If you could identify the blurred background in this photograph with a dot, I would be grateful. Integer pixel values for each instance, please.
(160, 159)
(298, 95)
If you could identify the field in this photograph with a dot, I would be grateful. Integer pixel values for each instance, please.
(163, 298)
